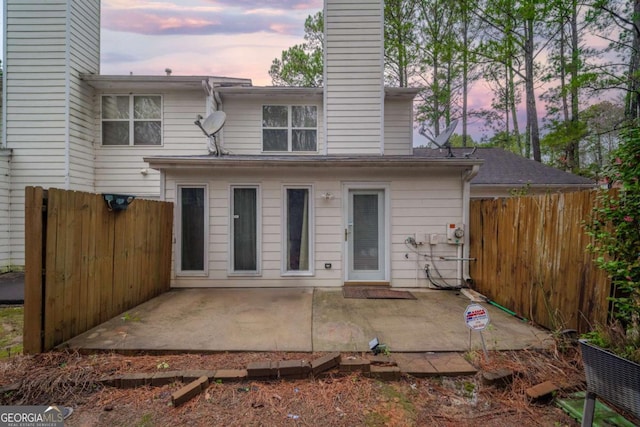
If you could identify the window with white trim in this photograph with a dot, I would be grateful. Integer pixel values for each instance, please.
(131, 120)
(245, 229)
(193, 223)
(298, 230)
(287, 128)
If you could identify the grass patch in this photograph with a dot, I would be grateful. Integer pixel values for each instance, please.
(375, 419)
(11, 325)
(145, 421)
(399, 398)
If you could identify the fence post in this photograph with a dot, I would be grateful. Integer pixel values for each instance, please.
(33, 278)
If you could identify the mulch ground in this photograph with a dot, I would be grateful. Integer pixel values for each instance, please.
(71, 379)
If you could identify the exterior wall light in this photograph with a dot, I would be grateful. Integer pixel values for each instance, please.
(117, 202)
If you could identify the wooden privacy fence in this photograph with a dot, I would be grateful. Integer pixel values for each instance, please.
(532, 258)
(85, 264)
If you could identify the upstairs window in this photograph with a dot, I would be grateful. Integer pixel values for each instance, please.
(131, 120)
(287, 128)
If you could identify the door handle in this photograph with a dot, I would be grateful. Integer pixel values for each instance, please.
(347, 231)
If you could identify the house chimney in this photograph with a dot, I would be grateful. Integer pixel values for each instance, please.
(353, 76)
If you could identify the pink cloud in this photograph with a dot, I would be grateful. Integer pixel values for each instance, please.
(272, 4)
(239, 17)
(142, 22)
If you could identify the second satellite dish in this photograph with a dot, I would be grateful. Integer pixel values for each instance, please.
(441, 141)
(210, 127)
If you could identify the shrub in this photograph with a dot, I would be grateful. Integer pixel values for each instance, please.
(615, 230)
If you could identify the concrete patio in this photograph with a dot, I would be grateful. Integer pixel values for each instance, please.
(304, 320)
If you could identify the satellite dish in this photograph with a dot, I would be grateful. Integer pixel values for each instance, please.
(210, 127)
(444, 137)
(442, 140)
(214, 122)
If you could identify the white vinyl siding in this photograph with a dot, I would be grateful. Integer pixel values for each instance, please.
(1, 116)
(120, 169)
(424, 207)
(398, 127)
(354, 89)
(48, 44)
(5, 254)
(84, 57)
(420, 202)
(242, 132)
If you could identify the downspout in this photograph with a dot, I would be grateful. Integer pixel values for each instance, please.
(213, 103)
(382, 94)
(213, 95)
(217, 99)
(463, 265)
(3, 143)
(208, 90)
(325, 127)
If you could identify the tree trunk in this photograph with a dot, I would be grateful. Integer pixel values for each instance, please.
(465, 72)
(532, 114)
(574, 149)
(632, 108)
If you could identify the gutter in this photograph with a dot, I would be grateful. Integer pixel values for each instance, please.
(467, 176)
(302, 161)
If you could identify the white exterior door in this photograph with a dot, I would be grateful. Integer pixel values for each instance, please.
(365, 235)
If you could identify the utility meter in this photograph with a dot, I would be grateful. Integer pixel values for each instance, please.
(455, 233)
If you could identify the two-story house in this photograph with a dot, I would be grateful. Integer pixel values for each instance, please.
(317, 186)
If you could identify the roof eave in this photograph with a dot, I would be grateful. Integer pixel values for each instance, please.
(390, 92)
(305, 162)
(139, 82)
(534, 186)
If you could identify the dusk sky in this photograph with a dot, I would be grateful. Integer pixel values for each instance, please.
(232, 38)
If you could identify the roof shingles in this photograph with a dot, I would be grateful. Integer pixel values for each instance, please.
(503, 167)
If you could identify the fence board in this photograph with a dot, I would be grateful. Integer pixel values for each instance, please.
(97, 263)
(86, 258)
(104, 253)
(33, 280)
(54, 309)
(531, 258)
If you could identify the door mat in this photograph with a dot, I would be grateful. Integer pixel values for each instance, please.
(368, 293)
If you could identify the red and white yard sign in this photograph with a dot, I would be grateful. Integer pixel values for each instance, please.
(476, 316)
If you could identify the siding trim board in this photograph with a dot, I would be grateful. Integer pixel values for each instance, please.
(67, 96)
